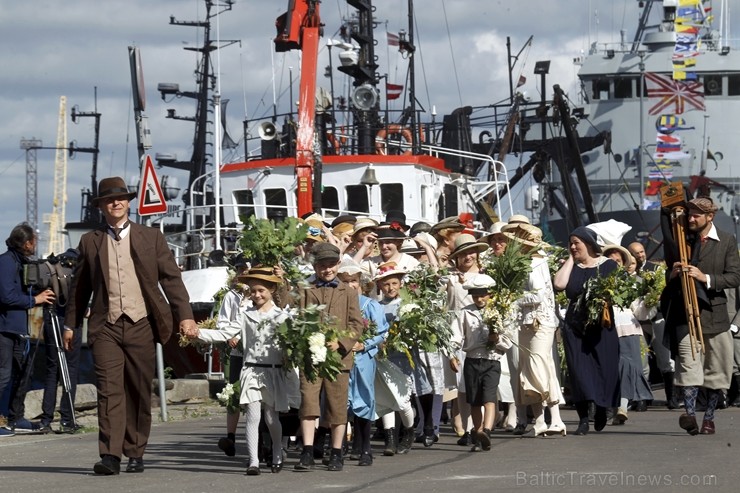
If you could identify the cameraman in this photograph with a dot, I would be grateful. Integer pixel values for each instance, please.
(14, 306)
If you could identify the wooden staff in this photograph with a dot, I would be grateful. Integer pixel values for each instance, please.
(672, 196)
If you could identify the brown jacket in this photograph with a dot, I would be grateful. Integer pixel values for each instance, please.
(155, 267)
(343, 304)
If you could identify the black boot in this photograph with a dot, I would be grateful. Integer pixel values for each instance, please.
(390, 442)
(736, 401)
(405, 443)
(671, 401)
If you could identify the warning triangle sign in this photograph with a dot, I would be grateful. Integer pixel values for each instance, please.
(151, 198)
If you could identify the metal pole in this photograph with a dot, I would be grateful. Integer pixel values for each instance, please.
(162, 387)
(217, 166)
(642, 128)
(508, 64)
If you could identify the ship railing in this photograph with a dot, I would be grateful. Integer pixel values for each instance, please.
(479, 189)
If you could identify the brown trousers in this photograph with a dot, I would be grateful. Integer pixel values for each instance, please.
(124, 355)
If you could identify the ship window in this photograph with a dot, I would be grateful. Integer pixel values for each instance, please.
(330, 199)
(450, 208)
(600, 89)
(733, 85)
(391, 197)
(712, 85)
(244, 204)
(357, 200)
(277, 203)
(623, 87)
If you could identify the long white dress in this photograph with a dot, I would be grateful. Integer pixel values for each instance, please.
(538, 374)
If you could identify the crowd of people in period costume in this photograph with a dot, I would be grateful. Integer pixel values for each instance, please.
(488, 379)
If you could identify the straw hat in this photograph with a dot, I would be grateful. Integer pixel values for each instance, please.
(519, 219)
(261, 273)
(410, 247)
(524, 233)
(388, 269)
(466, 243)
(452, 223)
(625, 254)
(496, 228)
(345, 218)
(315, 229)
(364, 223)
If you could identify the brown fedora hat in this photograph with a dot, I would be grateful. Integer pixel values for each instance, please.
(113, 188)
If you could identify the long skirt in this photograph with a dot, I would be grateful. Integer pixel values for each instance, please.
(593, 365)
(361, 391)
(537, 371)
(632, 382)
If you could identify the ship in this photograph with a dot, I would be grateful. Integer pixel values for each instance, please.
(657, 129)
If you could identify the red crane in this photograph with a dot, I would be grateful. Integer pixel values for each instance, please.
(300, 28)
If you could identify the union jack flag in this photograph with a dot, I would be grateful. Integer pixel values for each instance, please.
(674, 93)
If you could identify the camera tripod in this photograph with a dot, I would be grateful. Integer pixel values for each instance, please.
(61, 359)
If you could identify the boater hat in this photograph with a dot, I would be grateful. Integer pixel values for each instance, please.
(524, 233)
(465, 243)
(479, 284)
(261, 273)
(452, 222)
(113, 188)
(496, 228)
(623, 252)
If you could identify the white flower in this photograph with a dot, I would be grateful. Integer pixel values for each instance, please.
(317, 346)
(226, 393)
(406, 309)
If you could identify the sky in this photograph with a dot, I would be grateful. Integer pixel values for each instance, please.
(75, 48)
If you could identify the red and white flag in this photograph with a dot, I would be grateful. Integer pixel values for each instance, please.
(678, 96)
(392, 39)
(393, 91)
(522, 80)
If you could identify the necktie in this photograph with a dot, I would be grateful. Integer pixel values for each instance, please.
(327, 284)
(117, 231)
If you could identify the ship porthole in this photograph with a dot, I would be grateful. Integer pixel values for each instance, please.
(617, 158)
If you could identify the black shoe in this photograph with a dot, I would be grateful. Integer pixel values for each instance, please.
(484, 438)
(108, 466)
(582, 427)
(276, 468)
(253, 471)
(69, 428)
(641, 406)
(365, 459)
(391, 447)
(227, 445)
(336, 463)
(465, 440)
(306, 462)
(600, 418)
(476, 447)
(135, 464)
(519, 429)
(429, 437)
(688, 423)
(45, 428)
(407, 441)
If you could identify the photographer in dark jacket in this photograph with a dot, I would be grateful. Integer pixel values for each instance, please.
(14, 305)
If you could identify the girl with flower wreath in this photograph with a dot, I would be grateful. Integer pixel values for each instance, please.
(265, 386)
(396, 376)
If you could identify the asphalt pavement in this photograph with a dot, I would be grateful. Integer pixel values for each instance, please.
(648, 453)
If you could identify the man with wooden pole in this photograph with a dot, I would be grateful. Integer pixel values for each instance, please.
(702, 261)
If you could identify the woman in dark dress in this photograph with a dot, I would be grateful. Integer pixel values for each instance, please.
(592, 352)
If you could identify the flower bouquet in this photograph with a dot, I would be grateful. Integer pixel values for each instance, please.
(229, 397)
(303, 338)
(510, 271)
(619, 289)
(423, 321)
(653, 283)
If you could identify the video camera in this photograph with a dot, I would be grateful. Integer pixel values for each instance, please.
(54, 272)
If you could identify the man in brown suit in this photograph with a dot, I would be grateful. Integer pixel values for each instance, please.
(122, 267)
(341, 303)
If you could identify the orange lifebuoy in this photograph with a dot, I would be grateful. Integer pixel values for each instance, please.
(393, 129)
(334, 143)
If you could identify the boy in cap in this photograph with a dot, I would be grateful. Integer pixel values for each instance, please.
(341, 304)
(483, 350)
